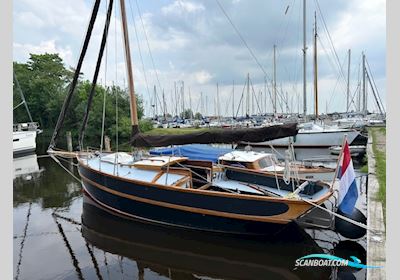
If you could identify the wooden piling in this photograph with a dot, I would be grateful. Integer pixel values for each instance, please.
(69, 141)
(107, 143)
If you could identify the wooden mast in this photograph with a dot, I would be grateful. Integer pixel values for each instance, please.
(134, 117)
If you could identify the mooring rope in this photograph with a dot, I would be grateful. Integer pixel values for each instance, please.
(69, 172)
(339, 216)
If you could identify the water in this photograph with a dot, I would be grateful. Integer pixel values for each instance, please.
(60, 234)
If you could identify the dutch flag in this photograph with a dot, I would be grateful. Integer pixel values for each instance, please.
(348, 191)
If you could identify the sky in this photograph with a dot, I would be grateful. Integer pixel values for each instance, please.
(199, 44)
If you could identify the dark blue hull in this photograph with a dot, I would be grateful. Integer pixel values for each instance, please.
(225, 214)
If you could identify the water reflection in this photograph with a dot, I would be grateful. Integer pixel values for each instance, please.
(180, 254)
(60, 234)
(49, 185)
(26, 168)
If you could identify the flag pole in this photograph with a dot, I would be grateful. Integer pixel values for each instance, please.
(338, 161)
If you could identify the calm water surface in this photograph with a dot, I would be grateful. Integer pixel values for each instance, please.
(59, 233)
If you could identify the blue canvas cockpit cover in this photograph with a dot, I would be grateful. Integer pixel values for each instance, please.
(193, 151)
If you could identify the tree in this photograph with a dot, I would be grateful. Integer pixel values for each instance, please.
(44, 81)
(187, 114)
(198, 116)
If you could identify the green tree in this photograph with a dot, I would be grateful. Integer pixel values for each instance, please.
(187, 114)
(44, 80)
(198, 116)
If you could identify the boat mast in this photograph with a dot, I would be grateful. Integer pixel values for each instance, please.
(248, 96)
(304, 62)
(233, 99)
(183, 99)
(315, 67)
(348, 82)
(164, 106)
(190, 106)
(364, 86)
(134, 116)
(274, 103)
(218, 106)
(155, 102)
(22, 96)
(265, 94)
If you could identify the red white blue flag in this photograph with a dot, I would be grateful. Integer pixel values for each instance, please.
(348, 191)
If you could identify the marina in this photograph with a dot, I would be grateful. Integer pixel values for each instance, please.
(131, 180)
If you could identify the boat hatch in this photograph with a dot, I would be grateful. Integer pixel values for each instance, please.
(157, 163)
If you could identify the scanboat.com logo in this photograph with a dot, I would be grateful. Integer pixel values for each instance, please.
(329, 260)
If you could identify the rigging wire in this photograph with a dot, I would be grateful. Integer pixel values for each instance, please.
(242, 39)
(22, 96)
(139, 49)
(376, 88)
(330, 41)
(150, 53)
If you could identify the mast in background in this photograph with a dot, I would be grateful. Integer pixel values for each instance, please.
(274, 82)
(364, 99)
(315, 67)
(348, 83)
(304, 62)
(248, 96)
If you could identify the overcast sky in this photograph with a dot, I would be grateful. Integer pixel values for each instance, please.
(194, 42)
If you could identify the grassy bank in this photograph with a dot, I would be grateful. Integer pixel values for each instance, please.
(379, 148)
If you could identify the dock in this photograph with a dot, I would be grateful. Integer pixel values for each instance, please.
(376, 239)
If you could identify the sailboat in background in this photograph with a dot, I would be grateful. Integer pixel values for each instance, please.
(24, 134)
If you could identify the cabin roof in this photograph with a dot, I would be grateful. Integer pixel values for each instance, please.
(243, 156)
(158, 162)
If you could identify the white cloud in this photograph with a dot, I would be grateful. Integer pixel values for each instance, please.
(29, 19)
(182, 7)
(23, 50)
(202, 77)
(356, 26)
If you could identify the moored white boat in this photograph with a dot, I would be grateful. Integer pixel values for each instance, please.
(354, 150)
(313, 136)
(24, 138)
(269, 164)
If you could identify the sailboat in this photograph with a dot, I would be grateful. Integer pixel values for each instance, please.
(183, 193)
(24, 134)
